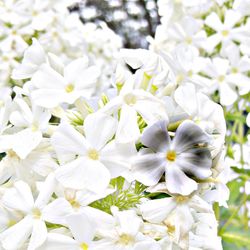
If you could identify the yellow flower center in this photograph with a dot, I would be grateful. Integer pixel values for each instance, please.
(93, 154)
(221, 78)
(36, 213)
(69, 88)
(235, 70)
(34, 127)
(1, 103)
(189, 40)
(181, 199)
(11, 223)
(225, 32)
(84, 246)
(171, 155)
(170, 227)
(179, 78)
(130, 99)
(126, 239)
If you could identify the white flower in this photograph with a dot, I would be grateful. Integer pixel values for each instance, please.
(38, 163)
(176, 215)
(225, 32)
(185, 156)
(132, 102)
(89, 161)
(219, 70)
(34, 56)
(30, 123)
(83, 231)
(125, 233)
(53, 89)
(35, 214)
(5, 107)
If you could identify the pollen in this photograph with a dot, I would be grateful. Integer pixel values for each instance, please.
(225, 32)
(74, 203)
(11, 223)
(170, 227)
(84, 246)
(34, 127)
(69, 88)
(93, 154)
(130, 99)
(221, 78)
(189, 40)
(126, 239)
(36, 213)
(181, 199)
(235, 70)
(171, 155)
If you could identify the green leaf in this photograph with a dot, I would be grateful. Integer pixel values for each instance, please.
(237, 238)
(241, 170)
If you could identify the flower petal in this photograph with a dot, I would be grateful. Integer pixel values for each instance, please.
(148, 168)
(68, 143)
(188, 135)
(99, 128)
(84, 173)
(81, 227)
(178, 183)
(156, 211)
(156, 137)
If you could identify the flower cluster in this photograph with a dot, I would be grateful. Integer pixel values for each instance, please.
(137, 167)
(210, 42)
(207, 44)
(57, 29)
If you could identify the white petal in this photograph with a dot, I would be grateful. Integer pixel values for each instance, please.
(214, 22)
(59, 242)
(39, 234)
(99, 129)
(47, 78)
(14, 237)
(56, 211)
(75, 69)
(231, 18)
(185, 96)
(68, 143)
(82, 228)
(25, 141)
(45, 193)
(148, 168)
(84, 173)
(227, 95)
(156, 211)
(178, 183)
(128, 130)
(48, 98)
(19, 197)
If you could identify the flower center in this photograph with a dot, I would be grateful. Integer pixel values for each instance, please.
(235, 70)
(225, 32)
(93, 154)
(69, 88)
(34, 126)
(84, 246)
(221, 78)
(171, 155)
(36, 213)
(181, 199)
(170, 227)
(130, 99)
(126, 239)
(189, 40)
